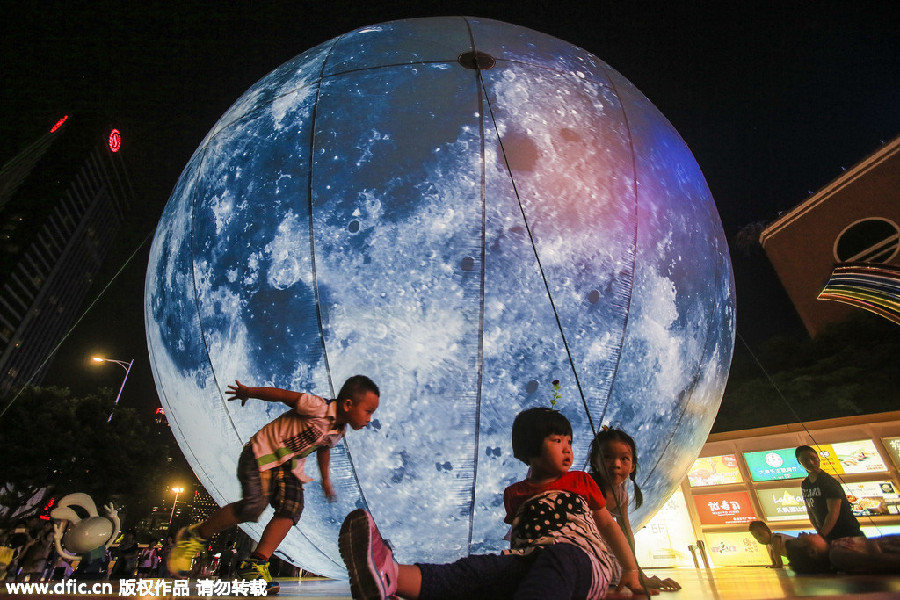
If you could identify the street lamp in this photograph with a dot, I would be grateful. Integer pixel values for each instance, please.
(124, 365)
(177, 491)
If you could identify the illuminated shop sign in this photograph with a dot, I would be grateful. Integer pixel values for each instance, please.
(869, 498)
(858, 457)
(893, 447)
(782, 503)
(773, 465)
(714, 470)
(850, 457)
(724, 509)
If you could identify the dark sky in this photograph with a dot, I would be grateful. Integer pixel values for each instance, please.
(773, 98)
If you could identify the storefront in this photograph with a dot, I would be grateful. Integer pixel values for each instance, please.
(742, 476)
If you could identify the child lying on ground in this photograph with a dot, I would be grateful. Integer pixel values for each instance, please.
(811, 553)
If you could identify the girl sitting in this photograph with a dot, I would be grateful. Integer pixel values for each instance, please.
(613, 460)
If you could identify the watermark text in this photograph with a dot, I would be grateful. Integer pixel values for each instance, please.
(137, 588)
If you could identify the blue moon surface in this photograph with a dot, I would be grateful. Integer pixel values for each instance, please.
(464, 210)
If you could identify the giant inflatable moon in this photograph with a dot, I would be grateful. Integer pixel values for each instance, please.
(465, 211)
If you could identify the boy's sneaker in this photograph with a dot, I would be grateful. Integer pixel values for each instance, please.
(187, 545)
(256, 568)
(369, 560)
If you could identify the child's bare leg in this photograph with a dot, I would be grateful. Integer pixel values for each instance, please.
(220, 520)
(273, 535)
(409, 581)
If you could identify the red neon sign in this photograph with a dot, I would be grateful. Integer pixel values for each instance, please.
(59, 123)
(115, 140)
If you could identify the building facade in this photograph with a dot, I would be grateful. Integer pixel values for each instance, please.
(62, 201)
(748, 475)
(853, 221)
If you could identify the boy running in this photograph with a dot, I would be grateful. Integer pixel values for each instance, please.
(270, 469)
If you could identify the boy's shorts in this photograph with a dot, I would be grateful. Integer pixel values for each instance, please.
(277, 486)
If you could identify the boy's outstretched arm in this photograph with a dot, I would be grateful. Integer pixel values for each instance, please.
(239, 391)
(323, 458)
(618, 543)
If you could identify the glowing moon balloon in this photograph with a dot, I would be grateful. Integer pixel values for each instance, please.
(464, 210)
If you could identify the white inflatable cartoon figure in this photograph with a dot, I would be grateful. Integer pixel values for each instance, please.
(78, 535)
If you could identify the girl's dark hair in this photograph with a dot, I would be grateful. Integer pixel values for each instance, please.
(802, 562)
(598, 467)
(530, 428)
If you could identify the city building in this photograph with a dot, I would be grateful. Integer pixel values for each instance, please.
(839, 251)
(192, 504)
(62, 201)
(201, 505)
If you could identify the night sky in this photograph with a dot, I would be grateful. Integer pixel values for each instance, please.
(773, 98)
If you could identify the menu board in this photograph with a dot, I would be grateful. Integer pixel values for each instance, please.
(870, 498)
(828, 459)
(774, 465)
(782, 503)
(724, 509)
(714, 470)
(855, 457)
(893, 447)
(859, 456)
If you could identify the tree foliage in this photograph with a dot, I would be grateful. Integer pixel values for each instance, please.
(849, 369)
(55, 443)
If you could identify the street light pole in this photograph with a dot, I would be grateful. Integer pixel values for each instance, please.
(177, 491)
(124, 365)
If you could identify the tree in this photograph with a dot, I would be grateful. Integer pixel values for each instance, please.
(55, 444)
(849, 369)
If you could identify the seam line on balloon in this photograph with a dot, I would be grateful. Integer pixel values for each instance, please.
(315, 286)
(196, 300)
(480, 358)
(537, 257)
(626, 322)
